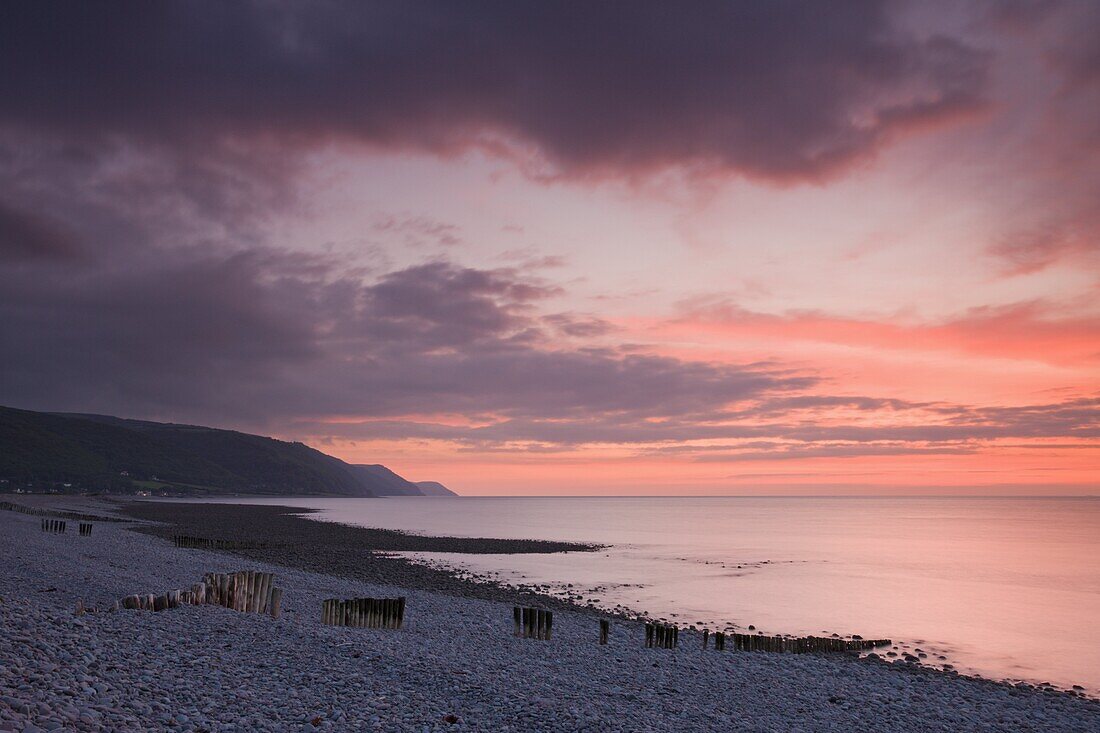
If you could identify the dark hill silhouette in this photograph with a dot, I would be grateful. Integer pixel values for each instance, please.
(76, 452)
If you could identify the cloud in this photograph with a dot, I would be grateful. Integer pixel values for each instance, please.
(757, 430)
(1051, 215)
(261, 337)
(576, 325)
(1031, 330)
(417, 231)
(778, 90)
(24, 236)
(1029, 251)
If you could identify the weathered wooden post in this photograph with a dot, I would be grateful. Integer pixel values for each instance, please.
(276, 602)
(265, 591)
(649, 633)
(605, 628)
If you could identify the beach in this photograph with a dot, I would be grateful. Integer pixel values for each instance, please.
(454, 666)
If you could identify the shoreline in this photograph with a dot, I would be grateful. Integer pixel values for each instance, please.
(342, 550)
(204, 668)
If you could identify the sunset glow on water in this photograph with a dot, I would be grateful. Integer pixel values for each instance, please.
(1008, 588)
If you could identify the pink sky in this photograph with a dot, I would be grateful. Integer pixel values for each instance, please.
(797, 256)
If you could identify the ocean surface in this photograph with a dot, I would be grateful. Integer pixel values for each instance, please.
(1008, 588)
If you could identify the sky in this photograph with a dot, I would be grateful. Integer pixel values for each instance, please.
(569, 248)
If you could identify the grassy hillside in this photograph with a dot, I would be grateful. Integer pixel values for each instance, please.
(93, 452)
(388, 482)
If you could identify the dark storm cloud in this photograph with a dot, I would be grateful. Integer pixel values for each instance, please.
(24, 236)
(776, 89)
(259, 337)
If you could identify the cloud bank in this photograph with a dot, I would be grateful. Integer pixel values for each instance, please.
(780, 90)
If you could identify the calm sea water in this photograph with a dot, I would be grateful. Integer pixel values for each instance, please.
(1005, 587)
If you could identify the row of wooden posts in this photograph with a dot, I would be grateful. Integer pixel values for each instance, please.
(59, 526)
(792, 645)
(246, 591)
(204, 543)
(11, 506)
(532, 623)
(254, 592)
(56, 526)
(367, 613)
(660, 636)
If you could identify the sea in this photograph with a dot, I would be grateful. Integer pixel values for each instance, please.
(1005, 588)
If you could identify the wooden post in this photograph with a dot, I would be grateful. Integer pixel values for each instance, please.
(549, 625)
(517, 620)
(276, 602)
(706, 638)
(649, 633)
(605, 628)
(265, 589)
(401, 612)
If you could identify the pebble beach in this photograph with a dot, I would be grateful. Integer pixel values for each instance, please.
(455, 665)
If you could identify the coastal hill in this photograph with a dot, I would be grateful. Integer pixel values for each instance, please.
(78, 453)
(434, 488)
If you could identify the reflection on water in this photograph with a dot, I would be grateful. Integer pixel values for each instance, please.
(1006, 587)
